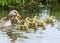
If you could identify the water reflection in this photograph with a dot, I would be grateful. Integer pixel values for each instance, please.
(50, 35)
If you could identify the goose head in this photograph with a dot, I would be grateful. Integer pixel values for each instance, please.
(13, 13)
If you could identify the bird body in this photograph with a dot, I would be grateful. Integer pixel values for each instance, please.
(6, 21)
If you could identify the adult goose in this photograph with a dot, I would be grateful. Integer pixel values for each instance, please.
(6, 21)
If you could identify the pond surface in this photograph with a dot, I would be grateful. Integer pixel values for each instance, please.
(50, 35)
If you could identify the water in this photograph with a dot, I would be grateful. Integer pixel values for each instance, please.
(50, 35)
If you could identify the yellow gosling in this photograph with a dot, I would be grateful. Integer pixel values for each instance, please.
(14, 20)
(23, 27)
(51, 20)
(33, 25)
(42, 25)
(22, 21)
(17, 19)
(27, 19)
(26, 27)
(35, 19)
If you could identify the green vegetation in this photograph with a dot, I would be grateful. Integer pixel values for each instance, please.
(24, 3)
(28, 7)
(18, 2)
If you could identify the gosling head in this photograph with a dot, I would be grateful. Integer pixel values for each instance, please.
(52, 17)
(28, 18)
(36, 17)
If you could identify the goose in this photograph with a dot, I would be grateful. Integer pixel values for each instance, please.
(7, 21)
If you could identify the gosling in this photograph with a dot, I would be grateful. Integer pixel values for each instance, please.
(28, 20)
(42, 25)
(15, 20)
(51, 20)
(23, 27)
(33, 25)
(35, 18)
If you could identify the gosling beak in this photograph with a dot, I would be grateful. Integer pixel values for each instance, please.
(18, 15)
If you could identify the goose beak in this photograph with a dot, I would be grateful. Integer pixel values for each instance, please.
(18, 15)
